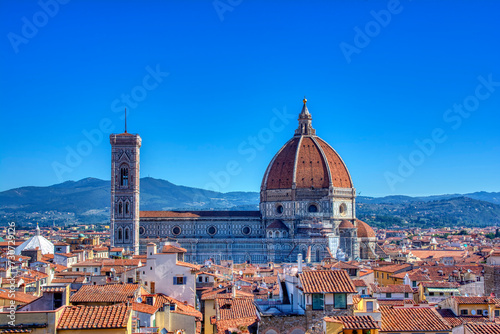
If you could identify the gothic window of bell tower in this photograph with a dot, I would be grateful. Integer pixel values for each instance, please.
(127, 208)
(120, 208)
(124, 176)
(120, 234)
(127, 234)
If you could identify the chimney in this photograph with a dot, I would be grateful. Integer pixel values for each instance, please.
(234, 291)
(151, 249)
(299, 263)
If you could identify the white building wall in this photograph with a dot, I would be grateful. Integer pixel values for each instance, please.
(161, 269)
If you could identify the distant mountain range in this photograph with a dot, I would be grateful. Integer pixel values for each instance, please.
(88, 200)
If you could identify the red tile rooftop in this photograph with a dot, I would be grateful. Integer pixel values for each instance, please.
(18, 296)
(392, 288)
(354, 322)
(109, 293)
(395, 319)
(359, 283)
(486, 328)
(440, 285)
(94, 317)
(327, 281)
(170, 249)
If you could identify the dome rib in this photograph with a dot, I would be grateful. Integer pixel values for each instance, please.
(313, 172)
(295, 163)
(268, 169)
(325, 160)
(280, 175)
(344, 177)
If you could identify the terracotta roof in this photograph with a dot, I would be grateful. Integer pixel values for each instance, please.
(189, 265)
(93, 317)
(359, 282)
(392, 288)
(364, 230)
(396, 302)
(327, 281)
(231, 313)
(355, 322)
(277, 224)
(436, 254)
(309, 162)
(395, 319)
(447, 285)
(109, 293)
(169, 249)
(18, 296)
(181, 308)
(229, 308)
(197, 214)
(346, 224)
(473, 300)
(450, 317)
(144, 308)
(455, 321)
(486, 328)
(392, 268)
(63, 280)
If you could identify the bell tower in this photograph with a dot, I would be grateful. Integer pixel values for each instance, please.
(125, 176)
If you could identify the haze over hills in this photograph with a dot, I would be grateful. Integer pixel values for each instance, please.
(87, 200)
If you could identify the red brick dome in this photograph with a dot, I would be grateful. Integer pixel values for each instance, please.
(346, 224)
(364, 230)
(306, 161)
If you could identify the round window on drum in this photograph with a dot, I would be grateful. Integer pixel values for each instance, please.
(212, 230)
(246, 230)
(176, 230)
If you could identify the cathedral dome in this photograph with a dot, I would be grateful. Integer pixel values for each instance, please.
(346, 224)
(364, 230)
(36, 242)
(306, 161)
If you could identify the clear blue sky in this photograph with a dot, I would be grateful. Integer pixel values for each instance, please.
(375, 85)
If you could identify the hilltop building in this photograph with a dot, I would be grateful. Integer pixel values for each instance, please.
(307, 206)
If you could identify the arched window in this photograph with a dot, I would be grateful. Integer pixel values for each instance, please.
(318, 255)
(124, 176)
(277, 234)
(120, 233)
(312, 208)
(269, 234)
(120, 208)
(127, 208)
(127, 236)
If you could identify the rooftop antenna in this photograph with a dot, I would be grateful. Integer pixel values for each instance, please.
(125, 120)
